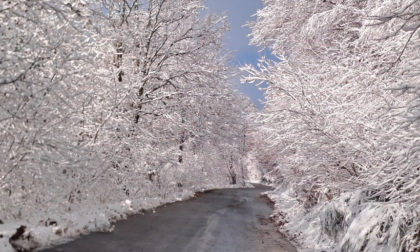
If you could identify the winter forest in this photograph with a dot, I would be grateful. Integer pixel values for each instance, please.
(110, 107)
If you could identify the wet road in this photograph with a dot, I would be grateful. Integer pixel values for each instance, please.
(228, 220)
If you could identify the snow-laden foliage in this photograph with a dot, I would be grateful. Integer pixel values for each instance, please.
(341, 117)
(44, 56)
(103, 101)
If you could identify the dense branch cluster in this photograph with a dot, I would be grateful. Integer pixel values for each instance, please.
(101, 101)
(340, 124)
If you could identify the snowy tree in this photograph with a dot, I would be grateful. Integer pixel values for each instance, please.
(45, 47)
(334, 115)
(169, 66)
(107, 100)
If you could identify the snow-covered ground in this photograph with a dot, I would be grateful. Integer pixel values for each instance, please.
(299, 226)
(347, 223)
(61, 228)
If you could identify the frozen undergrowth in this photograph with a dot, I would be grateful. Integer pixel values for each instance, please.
(60, 228)
(348, 223)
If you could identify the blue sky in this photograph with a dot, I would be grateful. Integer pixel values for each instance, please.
(239, 12)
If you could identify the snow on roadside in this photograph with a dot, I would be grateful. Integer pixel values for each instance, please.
(346, 223)
(299, 226)
(30, 234)
(64, 227)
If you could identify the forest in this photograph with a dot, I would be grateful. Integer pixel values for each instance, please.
(110, 107)
(103, 102)
(339, 133)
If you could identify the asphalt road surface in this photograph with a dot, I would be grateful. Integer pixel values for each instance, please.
(228, 220)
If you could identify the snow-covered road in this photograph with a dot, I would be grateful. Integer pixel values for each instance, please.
(226, 220)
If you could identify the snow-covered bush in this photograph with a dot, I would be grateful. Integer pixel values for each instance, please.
(332, 221)
(376, 228)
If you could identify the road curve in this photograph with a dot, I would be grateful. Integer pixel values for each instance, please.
(228, 220)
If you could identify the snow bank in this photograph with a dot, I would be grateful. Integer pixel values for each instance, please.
(347, 223)
(32, 234)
